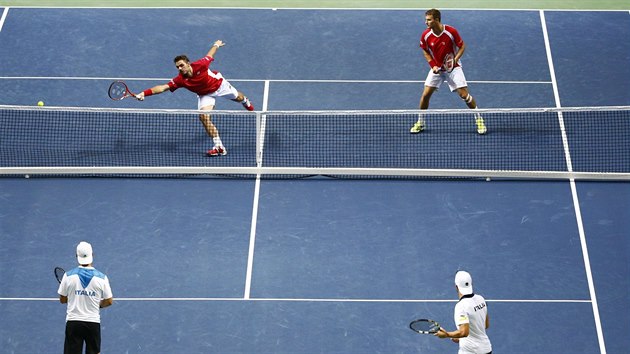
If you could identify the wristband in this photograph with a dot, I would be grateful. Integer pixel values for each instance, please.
(147, 92)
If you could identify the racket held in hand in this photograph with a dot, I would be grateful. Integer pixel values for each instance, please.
(59, 272)
(118, 90)
(424, 326)
(449, 62)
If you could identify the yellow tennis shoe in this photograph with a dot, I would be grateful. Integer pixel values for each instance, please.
(417, 128)
(481, 126)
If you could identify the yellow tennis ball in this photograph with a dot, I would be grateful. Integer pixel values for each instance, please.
(40, 103)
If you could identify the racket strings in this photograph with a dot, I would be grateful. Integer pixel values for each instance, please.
(425, 326)
(59, 272)
(117, 90)
(449, 62)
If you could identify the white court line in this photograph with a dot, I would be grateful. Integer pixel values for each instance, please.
(252, 240)
(576, 202)
(252, 233)
(4, 17)
(262, 80)
(146, 299)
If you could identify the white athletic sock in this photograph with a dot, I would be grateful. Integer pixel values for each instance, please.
(477, 115)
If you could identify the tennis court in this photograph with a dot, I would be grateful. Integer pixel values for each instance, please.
(327, 265)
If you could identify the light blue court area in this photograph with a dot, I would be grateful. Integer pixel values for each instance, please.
(295, 45)
(133, 222)
(318, 264)
(605, 206)
(581, 49)
(383, 232)
(333, 256)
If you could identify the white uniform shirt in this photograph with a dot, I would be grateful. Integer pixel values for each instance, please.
(472, 309)
(85, 287)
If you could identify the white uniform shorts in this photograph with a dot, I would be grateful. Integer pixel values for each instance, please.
(455, 79)
(226, 90)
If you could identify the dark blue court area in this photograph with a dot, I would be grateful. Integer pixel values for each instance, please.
(319, 265)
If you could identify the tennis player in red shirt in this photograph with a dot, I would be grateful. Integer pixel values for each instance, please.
(207, 84)
(437, 42)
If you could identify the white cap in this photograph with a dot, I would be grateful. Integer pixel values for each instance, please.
(463, 280)
(84, 253)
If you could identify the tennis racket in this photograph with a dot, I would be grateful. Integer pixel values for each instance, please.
(449, 62)
(424, 326)
(59, 272)
(118, 90)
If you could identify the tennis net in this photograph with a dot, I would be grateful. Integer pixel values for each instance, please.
(587, 142)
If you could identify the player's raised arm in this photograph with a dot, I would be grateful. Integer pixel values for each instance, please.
(152, 91)
(215, 46)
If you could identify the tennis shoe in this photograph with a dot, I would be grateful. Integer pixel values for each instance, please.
(481, 126)
(417, 128)
(248, 105)
(217, 150)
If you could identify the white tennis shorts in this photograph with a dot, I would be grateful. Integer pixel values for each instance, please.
(455, 79)
(226, 90)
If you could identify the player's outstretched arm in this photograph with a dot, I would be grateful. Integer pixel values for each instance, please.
(215, 46)
(152, 91)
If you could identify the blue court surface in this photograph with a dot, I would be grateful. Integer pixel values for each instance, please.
(211, 265)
